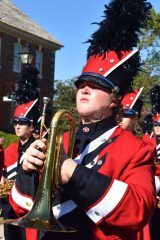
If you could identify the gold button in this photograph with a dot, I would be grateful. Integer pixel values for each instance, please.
(28, 203)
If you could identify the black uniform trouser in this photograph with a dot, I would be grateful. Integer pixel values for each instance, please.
(155, 225)
(11, 232)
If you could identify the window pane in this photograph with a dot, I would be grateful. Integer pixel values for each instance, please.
(16, 57)
(38, 62)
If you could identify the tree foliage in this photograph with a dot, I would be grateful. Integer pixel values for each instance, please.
(150, 54)
(65, 98)
(64, 95)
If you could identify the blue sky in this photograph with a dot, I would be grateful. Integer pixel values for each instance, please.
(69, 21)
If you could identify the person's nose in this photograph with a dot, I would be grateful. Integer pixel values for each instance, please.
(16, 125)
(86, 90)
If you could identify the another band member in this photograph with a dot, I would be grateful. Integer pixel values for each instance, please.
(23, 125)
(1, 155)
(132, 107)
(107, 187)
(155, 140)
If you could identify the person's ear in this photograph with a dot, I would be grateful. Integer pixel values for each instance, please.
(32, 128)
(113, 105)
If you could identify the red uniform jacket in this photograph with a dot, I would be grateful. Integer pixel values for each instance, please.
(111, 190)
(152, 140)
(11, 157)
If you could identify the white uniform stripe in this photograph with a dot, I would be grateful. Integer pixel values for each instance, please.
(109, 202)
(120, 62)
(20, 200)
(12, 175)
(157, 183)
(22, 158)
(12, 167)
(94, 144)
(91, 164)
(63, 208)
(158, 146)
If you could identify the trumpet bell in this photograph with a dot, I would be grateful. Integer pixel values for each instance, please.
(45, 223)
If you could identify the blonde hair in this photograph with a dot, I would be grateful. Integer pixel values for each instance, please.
(118, 109)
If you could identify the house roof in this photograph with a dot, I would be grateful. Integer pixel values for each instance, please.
(12, 16)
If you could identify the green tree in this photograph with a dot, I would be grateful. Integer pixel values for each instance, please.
(64, 95)
(65, 98)
(150, 48)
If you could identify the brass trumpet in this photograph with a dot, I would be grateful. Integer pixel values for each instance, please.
(45, 102)
(41, 216)
(5, 188)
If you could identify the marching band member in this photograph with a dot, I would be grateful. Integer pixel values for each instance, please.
(1, 155)
(155, 140)
(23, 120)
(132, 107)
(147, 129)
(107, 187)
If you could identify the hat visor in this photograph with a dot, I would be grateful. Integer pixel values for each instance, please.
(156, 123)
(127, 112)
(95, 78)
(21, 119)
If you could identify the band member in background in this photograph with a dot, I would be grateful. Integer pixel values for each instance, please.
(147, 129)
(1, 155)
(107, 187)
(1, 165)
(132, 107)
(23, 120)
(155, 140)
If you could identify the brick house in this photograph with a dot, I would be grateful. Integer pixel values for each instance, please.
(16, 30)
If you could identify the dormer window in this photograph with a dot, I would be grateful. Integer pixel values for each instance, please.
(16, 57)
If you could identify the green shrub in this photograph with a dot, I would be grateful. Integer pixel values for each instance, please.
(8, 138)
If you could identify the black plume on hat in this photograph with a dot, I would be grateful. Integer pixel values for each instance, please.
(148, 124)
(112, 60)
(119, 31)
(27, 86)
(155, 99)
(121, 26)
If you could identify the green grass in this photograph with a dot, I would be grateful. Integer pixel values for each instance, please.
(8, 138)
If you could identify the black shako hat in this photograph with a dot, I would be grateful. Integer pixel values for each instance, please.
(27, 96)
(112, 60)
(132, 104)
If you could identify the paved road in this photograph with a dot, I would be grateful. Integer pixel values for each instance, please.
(1, 232)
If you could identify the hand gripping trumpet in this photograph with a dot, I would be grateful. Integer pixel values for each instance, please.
(41, 216)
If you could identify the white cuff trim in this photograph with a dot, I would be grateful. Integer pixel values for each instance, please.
(63, 208)
(109, 202)
(157, 183)
(20, 200)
